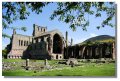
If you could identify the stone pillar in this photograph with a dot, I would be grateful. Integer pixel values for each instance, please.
(66, 39)
(45, 63)
(90, 52)
(71, 41)
(80, 53)
(66, 44)
(101, 52)
(107, 51)
(27, 62)
(47, 46)
(96, 51)
(50, 44)
(14, 32)
(87, 51)
(113, 54)
(83, 49)
(72, 53)
(34, 41)
(63, 46)
(13, 57)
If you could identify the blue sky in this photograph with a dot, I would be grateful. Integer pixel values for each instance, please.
(43, 20)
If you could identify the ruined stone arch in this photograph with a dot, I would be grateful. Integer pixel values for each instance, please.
(57, 44)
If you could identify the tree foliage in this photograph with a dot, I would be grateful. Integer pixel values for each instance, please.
(12, 11)
(72, 13)
(4, 53)
(97, 42)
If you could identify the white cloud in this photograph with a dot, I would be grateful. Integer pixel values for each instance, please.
(93, 35)
(80, 40)
(76, 41)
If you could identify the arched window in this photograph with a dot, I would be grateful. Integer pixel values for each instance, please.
(57, 44)
(27, 43)
(41, 29)
(21, 42)
(32, 40)
(44, 30)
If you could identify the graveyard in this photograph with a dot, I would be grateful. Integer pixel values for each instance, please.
(73, 47)
(96, 68)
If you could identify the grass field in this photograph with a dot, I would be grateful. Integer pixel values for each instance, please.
(85, 69)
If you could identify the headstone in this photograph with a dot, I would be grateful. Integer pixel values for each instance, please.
(46, 63)
(72, 61)
(27, 64)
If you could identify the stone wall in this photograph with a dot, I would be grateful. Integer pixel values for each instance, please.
(38, 46)
(38, 30)
(105, 50)
(19, 45)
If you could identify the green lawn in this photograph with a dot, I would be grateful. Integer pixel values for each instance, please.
(12, 60)
(86, 69)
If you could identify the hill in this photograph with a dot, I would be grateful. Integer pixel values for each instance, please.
(100, 39)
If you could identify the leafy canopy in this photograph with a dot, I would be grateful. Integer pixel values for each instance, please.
(72, 13)
(12, 11)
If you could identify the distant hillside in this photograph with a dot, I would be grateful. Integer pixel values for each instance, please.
(100, 38)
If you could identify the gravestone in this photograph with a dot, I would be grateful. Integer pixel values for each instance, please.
(27, 64)
(72, 64)
(72, 61)
(46, 64)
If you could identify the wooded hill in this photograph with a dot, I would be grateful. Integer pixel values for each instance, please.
(99, 39)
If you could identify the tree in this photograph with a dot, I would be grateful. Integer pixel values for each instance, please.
(4, 53)
(64, 13)
(12, 11)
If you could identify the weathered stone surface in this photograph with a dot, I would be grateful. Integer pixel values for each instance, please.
(72, 61)
(38, 46)
(27, 62)
(52, 45)
(46, 62)
(46, 65)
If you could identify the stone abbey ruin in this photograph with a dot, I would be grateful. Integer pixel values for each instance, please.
(52, 45)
